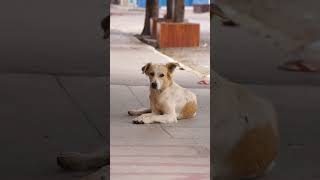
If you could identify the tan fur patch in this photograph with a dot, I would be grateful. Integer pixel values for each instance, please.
(254, 153)
(188, 110)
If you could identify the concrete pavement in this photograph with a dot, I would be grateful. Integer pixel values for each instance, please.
(43, 115)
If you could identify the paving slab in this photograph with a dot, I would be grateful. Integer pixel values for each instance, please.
(126, 67)
(89, 95)
(39, 121)
(121, 100)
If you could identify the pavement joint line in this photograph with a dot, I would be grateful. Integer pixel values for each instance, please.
(166, 132)
(140, 102)
(77, 105)
(201, 150)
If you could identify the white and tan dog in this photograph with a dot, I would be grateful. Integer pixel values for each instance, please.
(245, 128)
(169, 102)
(245, 132)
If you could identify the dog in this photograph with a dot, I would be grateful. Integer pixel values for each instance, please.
(169, 102)
(75, 161)
(245, 132)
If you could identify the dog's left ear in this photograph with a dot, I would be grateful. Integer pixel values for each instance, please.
(145, 68)
(171, 66)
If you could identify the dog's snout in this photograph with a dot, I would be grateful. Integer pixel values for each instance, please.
(154, 85)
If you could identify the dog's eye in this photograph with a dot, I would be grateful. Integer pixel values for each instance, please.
(151, 74)
(161, 75)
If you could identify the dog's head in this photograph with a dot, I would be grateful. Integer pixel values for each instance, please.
(160, 75)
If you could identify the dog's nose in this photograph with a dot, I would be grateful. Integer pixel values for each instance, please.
(154, 85)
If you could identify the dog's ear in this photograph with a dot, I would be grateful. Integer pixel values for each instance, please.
(171, 66)
(145, 68)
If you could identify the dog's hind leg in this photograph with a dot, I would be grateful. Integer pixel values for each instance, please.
(138, 112)
(101, 174)
(84, 161)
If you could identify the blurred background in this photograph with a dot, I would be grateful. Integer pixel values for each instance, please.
(274, 50)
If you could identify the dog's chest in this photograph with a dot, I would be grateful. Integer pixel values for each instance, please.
(160, 102)
(156, 105)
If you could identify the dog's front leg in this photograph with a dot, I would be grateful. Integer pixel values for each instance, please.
(138, 112)
(155, 118)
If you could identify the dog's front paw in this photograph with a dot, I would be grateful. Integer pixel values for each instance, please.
(137, 122)
(142, 119)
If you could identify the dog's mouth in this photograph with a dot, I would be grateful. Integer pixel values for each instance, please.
(155, 88)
